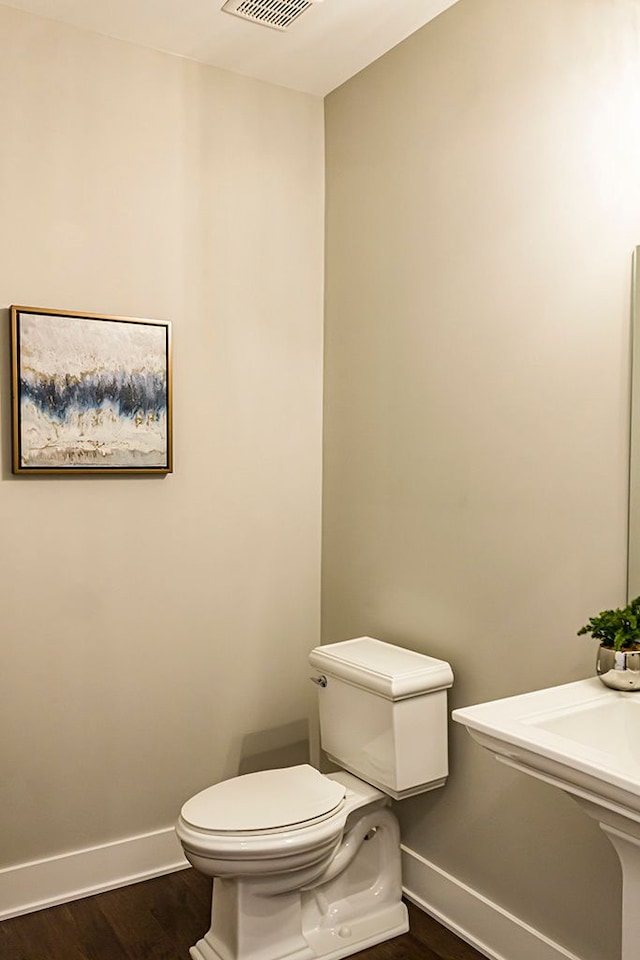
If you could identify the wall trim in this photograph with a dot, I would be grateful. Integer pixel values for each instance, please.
(38, 884)
(492, 930)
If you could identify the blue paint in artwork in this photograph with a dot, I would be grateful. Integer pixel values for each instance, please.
(131, 394)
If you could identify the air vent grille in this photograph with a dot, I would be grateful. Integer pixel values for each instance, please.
(278, 14)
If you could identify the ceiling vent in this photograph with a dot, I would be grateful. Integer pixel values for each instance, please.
(278, 14)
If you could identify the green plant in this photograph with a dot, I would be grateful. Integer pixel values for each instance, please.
(619, 628)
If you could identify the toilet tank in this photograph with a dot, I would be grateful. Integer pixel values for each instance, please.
(383, 713)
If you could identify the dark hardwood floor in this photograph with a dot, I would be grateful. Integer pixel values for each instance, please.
(160, 919)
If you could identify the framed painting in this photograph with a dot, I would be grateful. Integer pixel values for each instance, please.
(91, 393)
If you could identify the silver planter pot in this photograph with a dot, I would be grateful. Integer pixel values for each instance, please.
(620, 670)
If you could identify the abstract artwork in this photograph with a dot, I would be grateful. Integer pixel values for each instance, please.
(91, 393)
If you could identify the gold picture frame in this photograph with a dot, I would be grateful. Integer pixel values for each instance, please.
(91, 393)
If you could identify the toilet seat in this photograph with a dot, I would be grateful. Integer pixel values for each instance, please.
(263, 802)
(211, 829)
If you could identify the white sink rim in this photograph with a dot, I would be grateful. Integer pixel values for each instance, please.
(510, 728)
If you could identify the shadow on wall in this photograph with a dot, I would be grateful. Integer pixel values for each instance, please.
(283, 746)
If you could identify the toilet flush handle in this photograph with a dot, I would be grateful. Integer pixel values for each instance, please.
(321, 681)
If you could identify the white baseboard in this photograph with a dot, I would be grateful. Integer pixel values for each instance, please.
(45, 883)
(489, 928)
(495, 932)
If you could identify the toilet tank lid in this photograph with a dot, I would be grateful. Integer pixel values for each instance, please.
(390, 671)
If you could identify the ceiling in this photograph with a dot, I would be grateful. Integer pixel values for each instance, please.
(327, 44)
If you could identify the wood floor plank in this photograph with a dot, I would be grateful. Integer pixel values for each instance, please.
(183, 909)
(93, 932)
(405, 947)
(47, 935)
(10, 947)
(129, 912)
(438, 938)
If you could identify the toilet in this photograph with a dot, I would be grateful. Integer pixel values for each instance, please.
(307, 865)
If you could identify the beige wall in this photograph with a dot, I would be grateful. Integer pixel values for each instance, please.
(483, 203)
(154, 632)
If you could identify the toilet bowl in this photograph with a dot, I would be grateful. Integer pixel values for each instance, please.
(307, 865)
(265, 823)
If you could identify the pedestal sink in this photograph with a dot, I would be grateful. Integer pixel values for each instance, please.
(584, 738)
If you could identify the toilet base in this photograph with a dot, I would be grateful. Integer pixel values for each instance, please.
(355, 903)
(327, 944)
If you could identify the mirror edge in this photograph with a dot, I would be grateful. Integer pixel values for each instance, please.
(633, 542)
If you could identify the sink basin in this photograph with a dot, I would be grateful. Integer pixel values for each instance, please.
(609, 729)
(585, 739)
(583, 736)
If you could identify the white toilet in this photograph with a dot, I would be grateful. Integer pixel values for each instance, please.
(307, 865)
